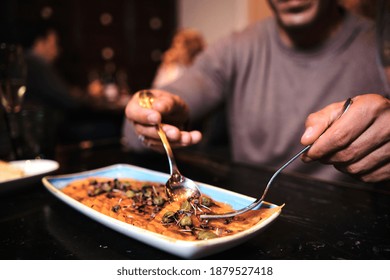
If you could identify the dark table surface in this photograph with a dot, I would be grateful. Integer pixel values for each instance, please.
(321, 220)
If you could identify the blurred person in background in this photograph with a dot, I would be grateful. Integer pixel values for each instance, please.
(45, 86)
(78, 115)
(313, 54)
(186, 45)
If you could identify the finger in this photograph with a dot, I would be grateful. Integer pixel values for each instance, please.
(134, 112)
(190, 138)
(378, 175)
(148, 131)
(341, 133)
(175, 137)
(172, 132)
(179, 138)
(187, 139)
(375, 136)
(167, 102)
(368, 164)
(164, 103)
(173, 109)
(318, 122)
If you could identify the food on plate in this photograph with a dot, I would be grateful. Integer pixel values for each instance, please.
(146, 205)
(9, 172)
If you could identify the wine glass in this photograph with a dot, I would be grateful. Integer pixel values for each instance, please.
(13, 72)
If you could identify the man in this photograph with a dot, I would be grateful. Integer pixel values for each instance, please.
(45, 87)
(272, 76)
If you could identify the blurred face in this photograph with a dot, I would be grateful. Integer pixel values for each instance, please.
(295, 14)
(47, 47)
(51, 46)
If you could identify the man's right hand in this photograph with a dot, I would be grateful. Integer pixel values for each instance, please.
(167, 109)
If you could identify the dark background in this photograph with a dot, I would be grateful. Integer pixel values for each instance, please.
(138, 33)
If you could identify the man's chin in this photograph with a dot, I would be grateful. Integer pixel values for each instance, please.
(301, 19)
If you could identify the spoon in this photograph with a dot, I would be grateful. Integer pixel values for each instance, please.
(177, 186)
(260, 200)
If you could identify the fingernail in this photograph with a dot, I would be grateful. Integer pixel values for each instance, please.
(170, 133)
(306, 159)
(153, 118)
(308, 132)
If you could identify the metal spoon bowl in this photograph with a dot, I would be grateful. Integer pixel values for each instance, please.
(260, 200)
(177, 186)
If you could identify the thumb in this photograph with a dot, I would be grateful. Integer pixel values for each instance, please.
(316, 123)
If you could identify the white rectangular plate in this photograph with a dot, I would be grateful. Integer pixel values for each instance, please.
(34, 170)
(184, 249)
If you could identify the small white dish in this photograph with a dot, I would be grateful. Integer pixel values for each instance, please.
(184, 249)
(34, 170)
